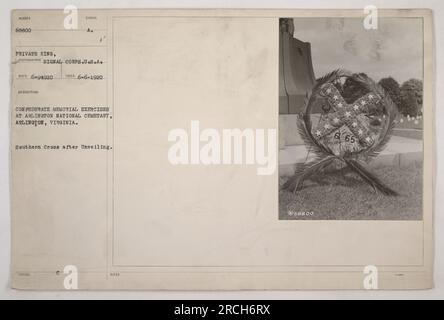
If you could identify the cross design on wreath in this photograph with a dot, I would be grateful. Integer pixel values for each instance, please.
(345, 114)
(347, 135)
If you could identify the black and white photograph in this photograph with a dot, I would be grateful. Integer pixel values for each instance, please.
(200, 153)
(350, 119)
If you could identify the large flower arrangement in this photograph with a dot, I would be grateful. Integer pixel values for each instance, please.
(346, 133)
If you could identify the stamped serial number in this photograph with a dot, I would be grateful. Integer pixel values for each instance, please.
(292, 213)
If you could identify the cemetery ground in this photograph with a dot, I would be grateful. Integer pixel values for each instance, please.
(342, 195)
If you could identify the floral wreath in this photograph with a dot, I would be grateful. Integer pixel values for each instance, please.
(345, 135)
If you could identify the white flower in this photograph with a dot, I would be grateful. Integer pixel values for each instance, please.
(340, 104)
(363, 102)
(354, 124)
(336, 120)
(360, 132)
(347, 114)
(326, 126)
(356, 107)
(318, 133)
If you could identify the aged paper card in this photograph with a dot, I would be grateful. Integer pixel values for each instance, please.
(165, 149)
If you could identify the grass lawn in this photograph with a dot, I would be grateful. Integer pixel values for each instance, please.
(409, 129)
(405, 124)
(341, 195)
(408, 133)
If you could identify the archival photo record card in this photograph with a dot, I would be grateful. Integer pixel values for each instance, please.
(221, 149)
